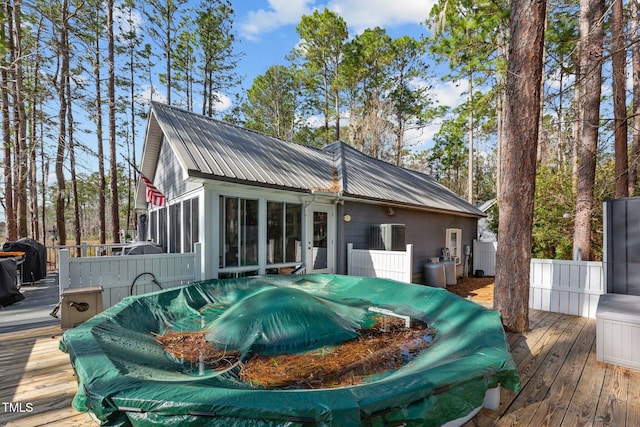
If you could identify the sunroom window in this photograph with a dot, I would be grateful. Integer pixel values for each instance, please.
(284, 232)
(238, 232)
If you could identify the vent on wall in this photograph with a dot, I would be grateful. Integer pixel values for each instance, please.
(388, 237)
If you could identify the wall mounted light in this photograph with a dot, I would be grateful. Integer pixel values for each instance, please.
(346, 218)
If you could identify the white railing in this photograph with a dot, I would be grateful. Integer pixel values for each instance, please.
(121, 276)
(569, 287)
(82, 250)
(395, 265)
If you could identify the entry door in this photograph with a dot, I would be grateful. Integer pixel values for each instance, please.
(320, 238)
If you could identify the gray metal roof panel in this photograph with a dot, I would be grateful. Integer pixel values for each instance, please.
(209, 148)
(375, 179)
(212, 147)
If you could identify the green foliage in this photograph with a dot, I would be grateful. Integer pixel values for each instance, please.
(273, 103)
(466, 34)
(554, 211)
(553, 214)
(322, 38)
(215, 37)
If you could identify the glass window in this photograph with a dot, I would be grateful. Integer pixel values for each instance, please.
(162, 229)
(239, 229)
(190, 224)
(284, 232)
(293, 233)
(195, 222)
(152, 233)
(187, 245)
(275, 235)
(320, 226)
(454, 243)
(175, 228)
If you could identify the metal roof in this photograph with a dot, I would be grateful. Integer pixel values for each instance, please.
(368, 178)
(211, 149)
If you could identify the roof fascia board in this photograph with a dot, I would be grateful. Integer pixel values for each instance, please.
(197, 176)
(175, 142)
(362, 199)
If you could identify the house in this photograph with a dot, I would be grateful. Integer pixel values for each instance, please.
(260, 204)
(484, 231)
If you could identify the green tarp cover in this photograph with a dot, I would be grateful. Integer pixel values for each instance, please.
(125, 377)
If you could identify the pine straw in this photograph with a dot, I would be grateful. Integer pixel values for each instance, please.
(190, 346)
(385, 346)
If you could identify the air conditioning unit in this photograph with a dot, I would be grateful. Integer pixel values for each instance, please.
(388, 237)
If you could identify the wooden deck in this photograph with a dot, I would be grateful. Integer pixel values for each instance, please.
(37, 379)
(562, 384)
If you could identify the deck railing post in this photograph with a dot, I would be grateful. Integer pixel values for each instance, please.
(198, 261)
(409, 263)
(63, 270)
(349, 255)
(83, 247)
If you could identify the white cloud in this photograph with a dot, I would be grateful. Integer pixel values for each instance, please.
(419, 139)
(362, 14)
(358, 14)
(144, 97)
(279, 13)
(450, 94)
(125, 22)
(223, 103)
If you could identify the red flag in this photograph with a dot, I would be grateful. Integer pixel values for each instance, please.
(154, 196)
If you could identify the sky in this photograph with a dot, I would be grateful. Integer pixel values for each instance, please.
(266, 30)
(266, 33)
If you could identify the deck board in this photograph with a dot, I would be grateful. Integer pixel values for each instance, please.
(562, 383)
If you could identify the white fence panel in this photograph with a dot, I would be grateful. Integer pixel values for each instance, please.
(121, 276)
(395, 265)
(569, 287)
(484, 257)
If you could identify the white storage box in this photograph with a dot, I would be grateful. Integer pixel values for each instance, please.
(79, 305)
(618, 330)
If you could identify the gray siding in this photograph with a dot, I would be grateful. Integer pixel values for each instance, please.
(169, 175)
(425, 230)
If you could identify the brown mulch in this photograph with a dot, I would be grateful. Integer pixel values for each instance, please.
(386, 345)
(190, 346)
(480, 289)
(373, 353)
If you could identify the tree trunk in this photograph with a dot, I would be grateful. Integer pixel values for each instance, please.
(518, 163)
(21, 125)
(470, 130)
(62, 128)
(12, 229)
(132, 94)
(72, 165)
(113, 173)
(102, 193)
(619, 54)
(591, 39)
(635, 61)
(33, 146)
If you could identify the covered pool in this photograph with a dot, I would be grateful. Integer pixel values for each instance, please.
(126, 378)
